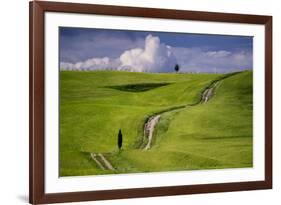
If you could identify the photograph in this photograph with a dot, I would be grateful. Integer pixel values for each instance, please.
(129, 102)
(136, 101)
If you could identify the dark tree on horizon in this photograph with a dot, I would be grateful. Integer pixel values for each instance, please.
(177, 67)
(120, 139)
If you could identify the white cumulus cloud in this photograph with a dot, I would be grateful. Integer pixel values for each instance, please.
(154, 57)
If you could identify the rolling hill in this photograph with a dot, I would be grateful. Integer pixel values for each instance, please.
(190, 134)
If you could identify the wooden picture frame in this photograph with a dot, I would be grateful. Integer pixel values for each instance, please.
(37, 152)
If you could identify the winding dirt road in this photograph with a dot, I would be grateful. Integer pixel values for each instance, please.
(106, 162)
(208, 93)
(94, 157)
(101, 161)
(149, 128)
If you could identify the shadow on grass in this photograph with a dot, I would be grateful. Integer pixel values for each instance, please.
(138, 87)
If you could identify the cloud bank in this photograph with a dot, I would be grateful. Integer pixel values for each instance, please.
(199, 60)
(92, 64)
(155, 56)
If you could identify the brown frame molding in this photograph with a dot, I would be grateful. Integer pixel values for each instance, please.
(36, 101)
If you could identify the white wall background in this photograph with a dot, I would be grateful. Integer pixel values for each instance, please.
(14, 101)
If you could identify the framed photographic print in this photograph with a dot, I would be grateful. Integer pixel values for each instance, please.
(139, 102)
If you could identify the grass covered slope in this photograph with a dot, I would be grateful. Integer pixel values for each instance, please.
(94, 105)
(217, 134)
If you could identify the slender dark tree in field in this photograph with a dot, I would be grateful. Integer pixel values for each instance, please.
(177, 67)
(120, 139)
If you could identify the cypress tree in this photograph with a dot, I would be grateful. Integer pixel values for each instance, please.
(177, 67)
(120, 139)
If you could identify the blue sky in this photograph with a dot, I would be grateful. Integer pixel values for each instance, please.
(91, 49)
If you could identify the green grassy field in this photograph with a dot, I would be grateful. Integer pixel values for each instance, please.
(94, 105)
